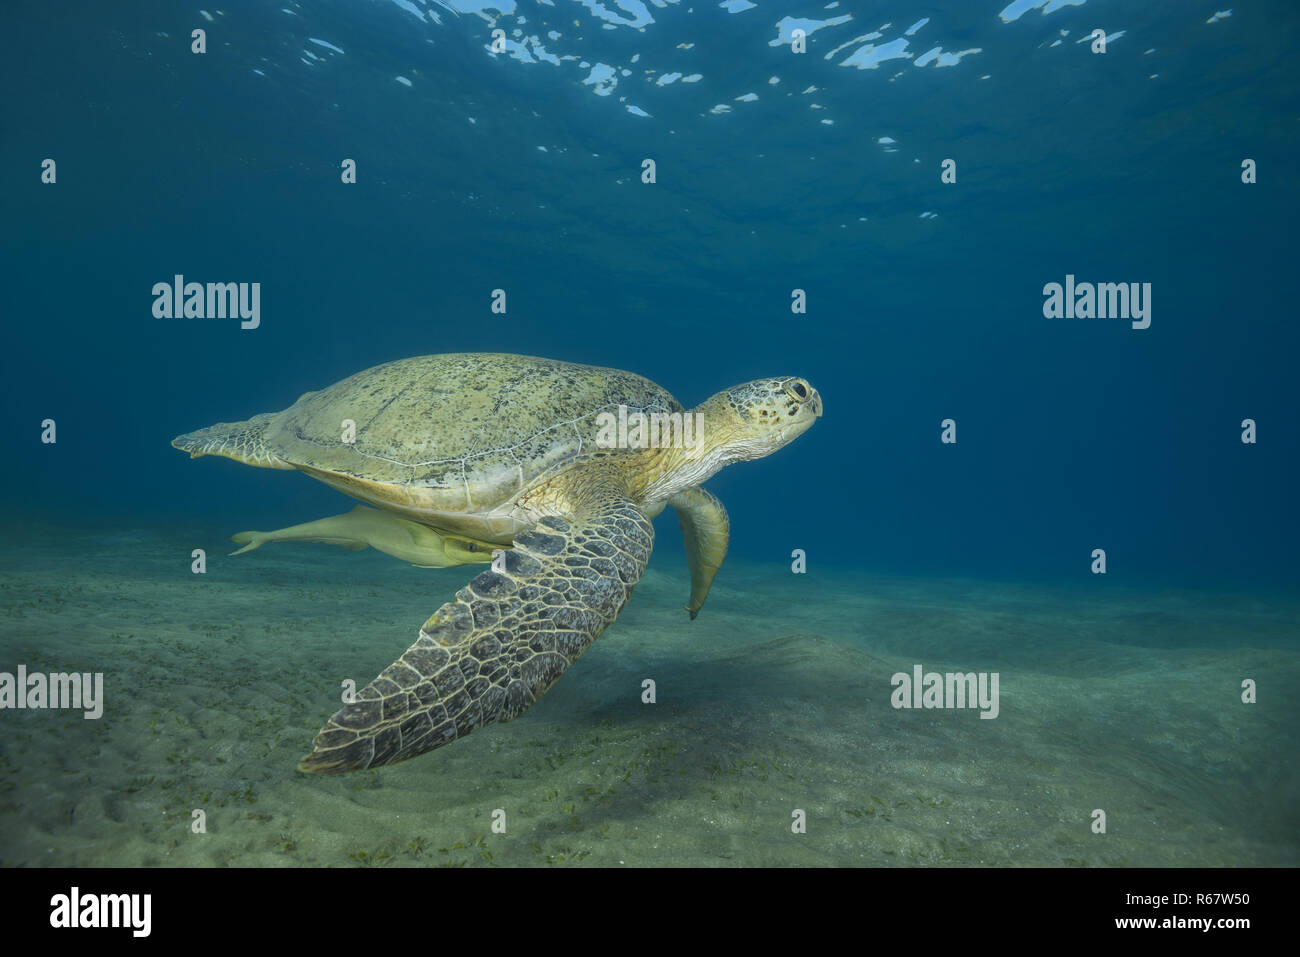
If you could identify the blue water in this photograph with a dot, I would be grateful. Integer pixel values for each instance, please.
(1072, 434)
(479, 170)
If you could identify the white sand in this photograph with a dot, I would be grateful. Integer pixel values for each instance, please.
(776, 698)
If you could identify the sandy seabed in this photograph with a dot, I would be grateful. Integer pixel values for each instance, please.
(775, 700)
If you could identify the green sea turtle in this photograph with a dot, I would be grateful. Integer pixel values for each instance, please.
(550, 470)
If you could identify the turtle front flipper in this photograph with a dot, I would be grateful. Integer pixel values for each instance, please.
(496, 649)
(706, 532)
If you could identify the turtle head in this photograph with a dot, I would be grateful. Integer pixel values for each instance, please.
(755, 419)
(744, 422)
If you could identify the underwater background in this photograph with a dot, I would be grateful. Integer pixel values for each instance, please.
(1167, 159)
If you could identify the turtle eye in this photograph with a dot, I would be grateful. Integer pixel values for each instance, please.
(798, 388)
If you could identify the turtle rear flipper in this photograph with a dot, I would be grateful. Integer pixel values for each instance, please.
(241, 441)
(491, 653)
